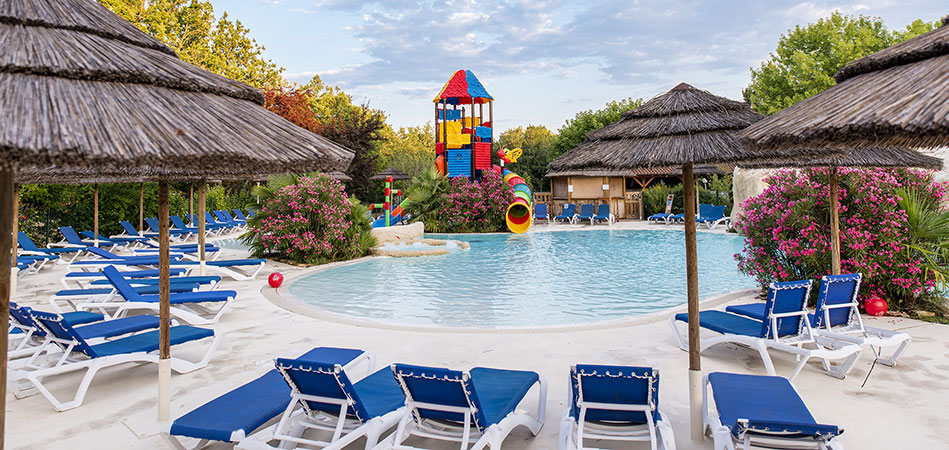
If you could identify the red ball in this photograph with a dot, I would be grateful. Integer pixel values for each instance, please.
(875, 306)
(275, 279)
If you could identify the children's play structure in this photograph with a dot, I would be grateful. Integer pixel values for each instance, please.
(389, 216)
(463, 147)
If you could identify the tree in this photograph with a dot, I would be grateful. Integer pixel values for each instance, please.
(807, 58)
(575, 130)
(536, 143)
(409, 149)
(190, 29)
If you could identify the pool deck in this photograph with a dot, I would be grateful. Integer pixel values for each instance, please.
(900, 407)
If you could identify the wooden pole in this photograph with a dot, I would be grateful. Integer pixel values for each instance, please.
(141, 208)
(202, 198)
(191, 201)
(834, 224)
(13, 245)
(164, 308)
(692, 282)
(95, 216)
(6, 244)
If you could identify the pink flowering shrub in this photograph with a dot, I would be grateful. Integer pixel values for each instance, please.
(787, 232)
(471, 207)
(312, 221)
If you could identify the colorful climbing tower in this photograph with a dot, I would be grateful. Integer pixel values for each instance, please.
(462, 135)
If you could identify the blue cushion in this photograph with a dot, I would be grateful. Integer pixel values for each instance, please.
(725, 323)
(752, 310)
(126, 274)
(766, 402)
(178, 298)
(621, 385)
(147, 342)
(80, 317)
(659, 216)
(118, 327)
(248, 407)
(500, 391)
(379, 393)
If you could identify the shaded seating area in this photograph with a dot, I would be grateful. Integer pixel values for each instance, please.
(568, 214)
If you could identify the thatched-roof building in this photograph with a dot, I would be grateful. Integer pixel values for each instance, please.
(895, 97)
(648, 144)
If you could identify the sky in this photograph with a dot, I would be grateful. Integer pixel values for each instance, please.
(542, 61)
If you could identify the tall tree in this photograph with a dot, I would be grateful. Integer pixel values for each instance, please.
(536, 143)
(409, 149)
(575, 130)
(190, 29)
(807, 57)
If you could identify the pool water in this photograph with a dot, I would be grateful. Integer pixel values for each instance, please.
(533, 279)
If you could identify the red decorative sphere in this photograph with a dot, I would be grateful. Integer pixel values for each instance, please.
(275, 279)
(875, 306)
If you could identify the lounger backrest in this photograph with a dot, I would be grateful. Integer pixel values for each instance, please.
(718, 211)
(121, 284)
(586, 209)
(71, 236)
(55, 325)
(227, 215)
(220, 216)
(442, 387)
(603, 209)
(103, 253)
(321, 379)
(209, 218)
(705, 210)
(177, 222)
(251, 213)
(239, 214)
(153, 224)
(569, 209)
(129, 229)
(26, 242)
(786, 297)
(21, 315)
(540, 210)
(621, 385)
(837, 290)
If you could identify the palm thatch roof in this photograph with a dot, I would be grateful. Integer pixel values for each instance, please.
(396, 175)
(666, 171)
(685, 125)
(862, 157)
(79, 86)
(898, 96)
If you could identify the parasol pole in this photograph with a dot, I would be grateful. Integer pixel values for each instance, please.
(164, 315)
(6, 244)
(191, 200)
(141, 208)
(692, 279)
(15, 224)
(834, 223)
(95, 216)
(202, 198)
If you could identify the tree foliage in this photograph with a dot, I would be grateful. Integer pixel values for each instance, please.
(409, 149)
(807, 57)
(575, 130)
(536, 142)
(190, 29)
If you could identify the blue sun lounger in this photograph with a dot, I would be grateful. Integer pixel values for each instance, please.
(26, 334)
(80, 354)
(459, 406)
(82, 298)
(603, 214)
(569, 213)
(29, 247)
(82, 279)
(72, 239)
(239, 215)
(837, 316)
(327, 399)
(761, 412)
(210, 227)
(33, 263)
(189, 307)
(618, 403)
(660, 217)
(587, 211)
(229, 267)
(226, 216)
(540, 212)
(173, 233)
(131, 232)
(210, 218)
(787, 329)
(712, 215)
(126, 241)
(180, 225)
(238, 413)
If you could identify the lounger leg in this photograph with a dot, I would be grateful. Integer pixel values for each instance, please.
(182, 365)
(766, 357)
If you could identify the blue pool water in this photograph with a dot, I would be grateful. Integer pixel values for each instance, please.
(534, 279)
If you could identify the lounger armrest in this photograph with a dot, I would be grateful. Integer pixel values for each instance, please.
(777, 428)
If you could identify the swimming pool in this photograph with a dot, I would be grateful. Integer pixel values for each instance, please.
(533, 279)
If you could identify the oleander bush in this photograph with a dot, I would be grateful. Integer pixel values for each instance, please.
(460, 205)
(787, 236)
(310, 221)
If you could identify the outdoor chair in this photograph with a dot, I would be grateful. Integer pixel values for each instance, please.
(568, 214)
(80, 354)
(325, 398)
(180, 224)
(82, 279)
(603, 215)
(124, 241)
(72, 239)
(25, 336)
(105, 258)
(230, 226)
(540, 212)
(239, 215)
(79, 298)
(235, 269)
(660, 217)
(712, 215)
(238, 413)
(755, 411)
(786, 329)
(29, 264)
(461, 406)
(586, 213)
(211, 227)
(173, 233)
(30, 248)
(614, 403)
(226, 215)
(837, 316)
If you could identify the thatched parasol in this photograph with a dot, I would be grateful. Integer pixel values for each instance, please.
(80, 87)
(683, 127)
(664, 171)
(895, 97)
(861, 157)
(396, 175)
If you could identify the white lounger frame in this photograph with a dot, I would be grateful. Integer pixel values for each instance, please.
(857, 333)
(190, 313)
(492, 437)
(59, 358)
(723, 439)
(827, 349)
